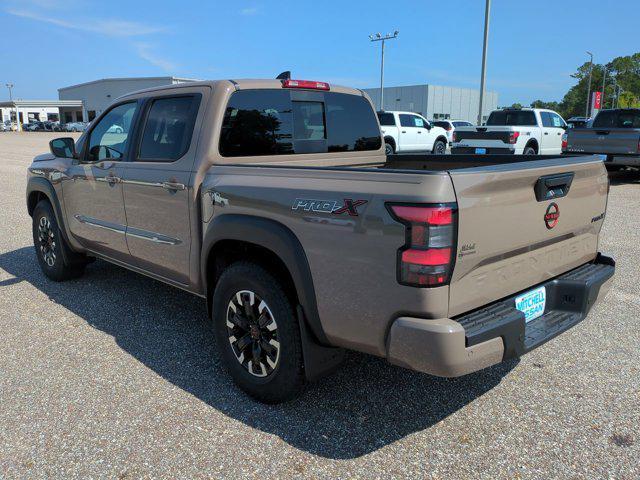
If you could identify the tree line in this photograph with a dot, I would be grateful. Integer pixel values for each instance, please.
(621, 71)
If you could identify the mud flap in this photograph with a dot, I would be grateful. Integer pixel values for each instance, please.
(319, 360)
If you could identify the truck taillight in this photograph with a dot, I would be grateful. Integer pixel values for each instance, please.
(453, 136)
(427, 257)
(307, 84)
(513, 137)
(564, 141)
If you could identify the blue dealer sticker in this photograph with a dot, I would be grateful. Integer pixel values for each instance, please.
(532, 303)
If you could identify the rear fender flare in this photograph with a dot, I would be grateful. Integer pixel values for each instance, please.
(280, 240)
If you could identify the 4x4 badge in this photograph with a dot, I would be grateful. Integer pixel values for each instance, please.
(349, 206)
(552, 215)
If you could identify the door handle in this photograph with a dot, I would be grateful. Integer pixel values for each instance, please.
(420, 132)
(173, 186)
(404, 131)
(546, 133)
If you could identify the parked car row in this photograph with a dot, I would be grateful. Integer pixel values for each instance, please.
(47, 126)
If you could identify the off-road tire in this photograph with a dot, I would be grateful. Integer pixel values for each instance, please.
(57, 261)
(286, 380)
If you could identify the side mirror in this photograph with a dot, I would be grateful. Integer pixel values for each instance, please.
(63, 147)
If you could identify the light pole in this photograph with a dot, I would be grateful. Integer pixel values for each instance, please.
(379, 38)
(604, 78)
(10, 87)
(589, 85)
(483, 74)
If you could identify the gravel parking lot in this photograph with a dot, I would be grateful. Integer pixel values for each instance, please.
(116, 375)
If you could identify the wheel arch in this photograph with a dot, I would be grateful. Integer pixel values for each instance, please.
(391, 141)
(532, 143)
(38, 189)
(269, 243)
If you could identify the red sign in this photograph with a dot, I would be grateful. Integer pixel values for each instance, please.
(597, 100)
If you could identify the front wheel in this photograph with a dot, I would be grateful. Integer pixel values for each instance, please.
(257, 333)
(56, 259)
(439, 148)
(388, 149)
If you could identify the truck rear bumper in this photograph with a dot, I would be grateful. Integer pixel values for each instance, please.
(454, 347)
(488, 150)
(626, 160)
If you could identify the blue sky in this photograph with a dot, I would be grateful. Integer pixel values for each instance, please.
(534, 46)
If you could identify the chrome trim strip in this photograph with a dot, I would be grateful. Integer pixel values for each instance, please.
(94, 222)
(143, 184)
(152, 236)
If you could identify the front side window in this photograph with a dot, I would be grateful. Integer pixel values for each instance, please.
(557, 120)
(109, 138)
(268, 122)
(168, 128)
(630, 119)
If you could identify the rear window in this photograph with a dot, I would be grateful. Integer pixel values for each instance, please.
(269, 122)
(386, 119)
(462, 124)
(516, 118)
(444, 125)
(617, 119)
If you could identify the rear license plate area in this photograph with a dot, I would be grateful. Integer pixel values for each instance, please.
(532, 303)
(481, 151)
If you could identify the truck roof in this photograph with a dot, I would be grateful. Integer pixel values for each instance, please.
(240, 84)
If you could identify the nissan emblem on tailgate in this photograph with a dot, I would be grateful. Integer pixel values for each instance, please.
(551, 216)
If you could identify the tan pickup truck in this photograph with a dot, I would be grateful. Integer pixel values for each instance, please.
(274, 201)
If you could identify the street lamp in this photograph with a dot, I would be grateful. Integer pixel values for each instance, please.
(379, 38)
(10, 86)
(483, 74)
(589, 85)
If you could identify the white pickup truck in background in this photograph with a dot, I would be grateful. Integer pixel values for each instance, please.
(527, 131)
(410, 132)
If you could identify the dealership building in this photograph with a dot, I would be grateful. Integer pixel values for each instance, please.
(436, 102)
(79, 103)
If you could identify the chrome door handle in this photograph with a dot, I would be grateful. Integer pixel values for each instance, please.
(173, 186)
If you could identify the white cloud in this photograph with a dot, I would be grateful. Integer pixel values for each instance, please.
(111, 28)
(144, 51)
(249, 11)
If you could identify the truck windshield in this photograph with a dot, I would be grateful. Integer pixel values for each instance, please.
(516, 118)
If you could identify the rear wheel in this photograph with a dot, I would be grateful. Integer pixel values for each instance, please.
(529, 150)
(258, 334)
(56, 259)
(440, 147)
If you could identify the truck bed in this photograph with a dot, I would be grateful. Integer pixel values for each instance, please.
(457, 162)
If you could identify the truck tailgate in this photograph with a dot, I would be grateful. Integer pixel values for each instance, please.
(510, 238)
(612, 141)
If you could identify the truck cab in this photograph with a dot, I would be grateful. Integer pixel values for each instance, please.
(411, 132)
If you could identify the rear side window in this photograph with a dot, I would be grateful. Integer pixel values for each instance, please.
(268, 122)
(516, 118)
(387, 119)
(168, 128)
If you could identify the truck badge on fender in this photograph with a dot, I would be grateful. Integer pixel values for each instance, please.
(349, 206)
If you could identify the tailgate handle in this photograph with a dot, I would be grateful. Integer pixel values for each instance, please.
(553, 186)
(602, 132)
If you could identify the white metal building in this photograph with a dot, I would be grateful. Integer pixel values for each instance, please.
(436, 102)
(39, 110)
(97, 95)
